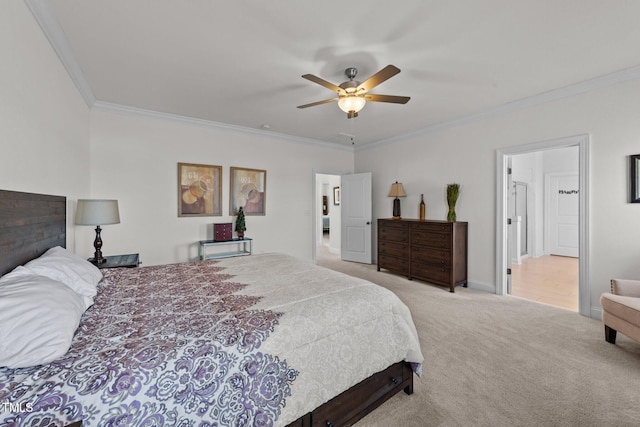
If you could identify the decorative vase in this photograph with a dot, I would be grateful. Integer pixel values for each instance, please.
(451, 215)
(453, 190)
(423, 208)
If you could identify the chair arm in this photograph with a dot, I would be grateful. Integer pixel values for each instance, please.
(627, 288)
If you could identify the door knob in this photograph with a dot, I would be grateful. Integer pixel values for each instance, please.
(368, 222)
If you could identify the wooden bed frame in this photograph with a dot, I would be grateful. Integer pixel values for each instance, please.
(32, 223)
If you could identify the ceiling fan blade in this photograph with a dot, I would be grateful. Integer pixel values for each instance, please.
(387, 98)
(323, 82)
(313, 104)
(379, 77)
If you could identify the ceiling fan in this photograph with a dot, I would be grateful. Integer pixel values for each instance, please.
(353, 95)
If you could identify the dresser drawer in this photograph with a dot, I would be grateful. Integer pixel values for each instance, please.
(393, 223)
(400, 265)
(431, 256)
(433, 227)
(393, 235)
(434, 240)
(393, 248)
(431, 273)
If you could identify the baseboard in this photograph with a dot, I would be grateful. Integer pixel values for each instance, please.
(482, 286)
(596, 313)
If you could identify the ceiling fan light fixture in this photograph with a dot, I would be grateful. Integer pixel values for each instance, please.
(351, 104)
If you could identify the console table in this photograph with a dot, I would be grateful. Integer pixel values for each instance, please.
(238, 247)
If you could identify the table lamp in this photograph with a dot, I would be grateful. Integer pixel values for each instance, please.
(397, 191)
(97, 212)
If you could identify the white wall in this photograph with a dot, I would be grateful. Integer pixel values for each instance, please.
(45, 126)
(134, 159)
(466, 154)
(44, 122)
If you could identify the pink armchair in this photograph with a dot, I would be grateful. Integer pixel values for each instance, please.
(621, 310)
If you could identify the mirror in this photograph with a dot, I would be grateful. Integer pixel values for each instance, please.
(634, 178)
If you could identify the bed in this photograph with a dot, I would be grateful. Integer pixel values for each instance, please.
(260, 340)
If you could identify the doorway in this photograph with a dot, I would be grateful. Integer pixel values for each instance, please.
(328, 216)
(533, 164)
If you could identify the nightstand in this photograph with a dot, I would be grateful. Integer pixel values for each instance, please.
(115, 261)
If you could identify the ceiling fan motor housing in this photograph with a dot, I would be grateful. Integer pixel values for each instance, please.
(351, 72)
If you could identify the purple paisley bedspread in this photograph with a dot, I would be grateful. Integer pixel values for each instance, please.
(164, 345)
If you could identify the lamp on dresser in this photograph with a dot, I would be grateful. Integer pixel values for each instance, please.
(396, 191)
(97, 212)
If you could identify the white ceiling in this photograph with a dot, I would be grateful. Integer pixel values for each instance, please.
(239, 62)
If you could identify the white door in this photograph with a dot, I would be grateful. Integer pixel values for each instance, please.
(563, 214)
(355, 204)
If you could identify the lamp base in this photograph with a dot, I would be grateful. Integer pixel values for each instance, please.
(396, 209)
(97, 244)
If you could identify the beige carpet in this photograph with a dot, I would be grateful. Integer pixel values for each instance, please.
(504, 361)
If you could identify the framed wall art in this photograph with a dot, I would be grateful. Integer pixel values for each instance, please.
(248, 190)
(336, 196)
(199, 190)
(634, 178)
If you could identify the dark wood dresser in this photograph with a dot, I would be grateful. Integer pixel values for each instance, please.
(433, 251)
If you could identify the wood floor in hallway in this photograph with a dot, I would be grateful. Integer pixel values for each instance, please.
(547, 279)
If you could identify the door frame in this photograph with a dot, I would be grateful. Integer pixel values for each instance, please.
(502, 156)
(315, 206)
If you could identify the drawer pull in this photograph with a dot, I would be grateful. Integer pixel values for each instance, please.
(394, 380)
(329, 424)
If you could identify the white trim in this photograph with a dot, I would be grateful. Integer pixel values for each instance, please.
(41, 11)
(599, 82)
(481, 286)
(44, 15)
(124, 109)
(582, 141)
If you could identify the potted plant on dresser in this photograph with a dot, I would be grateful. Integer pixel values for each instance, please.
(240, 225)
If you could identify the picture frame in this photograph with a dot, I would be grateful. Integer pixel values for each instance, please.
(634, 178)
(199, 190)
(336, 196)
(247, 189)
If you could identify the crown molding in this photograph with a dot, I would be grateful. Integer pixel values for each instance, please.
(141, 112)
(599, 82)
(41, 11)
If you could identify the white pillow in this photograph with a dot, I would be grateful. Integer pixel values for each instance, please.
(38, 317)
(69, 268)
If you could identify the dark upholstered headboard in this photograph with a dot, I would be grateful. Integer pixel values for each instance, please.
(29, 225)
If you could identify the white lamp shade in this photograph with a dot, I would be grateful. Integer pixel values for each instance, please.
(351, 103)
(97, 212)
